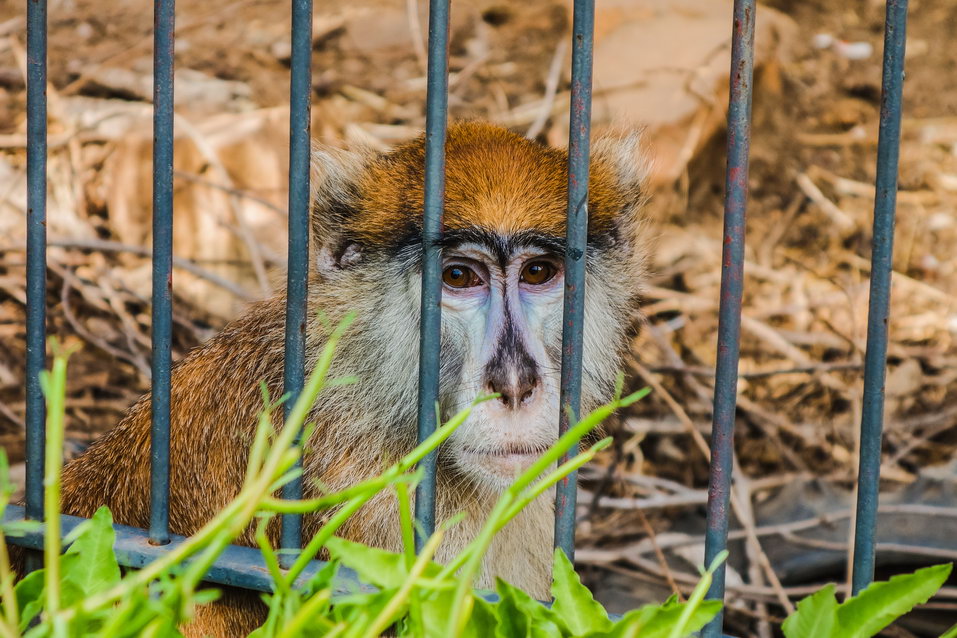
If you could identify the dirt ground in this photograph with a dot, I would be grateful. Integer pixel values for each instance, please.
(812, 172)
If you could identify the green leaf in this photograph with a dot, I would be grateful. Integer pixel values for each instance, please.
(521, 616)
(574, 604)
(661, 623)
(29, 595)
(483, 621)
(89, 565)
(815, 617)
(882, 603)
(323, 579)
(436, 609)
(358, 611)
(374, 566)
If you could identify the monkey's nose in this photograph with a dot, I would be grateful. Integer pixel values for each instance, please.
(515, 392)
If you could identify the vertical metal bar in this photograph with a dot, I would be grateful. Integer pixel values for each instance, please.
(297, 275)
(162, 320)
(436, 124)
(36, 253)
(885, 200)
(732, 287)
(576, 238)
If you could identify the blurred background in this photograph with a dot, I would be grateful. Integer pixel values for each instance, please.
(660, 65)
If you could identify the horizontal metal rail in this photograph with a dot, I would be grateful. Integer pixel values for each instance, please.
(237, 566)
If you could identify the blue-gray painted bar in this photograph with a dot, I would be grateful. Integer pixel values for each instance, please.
(297, 276)
(237, 566)
(872, 414)
(162, 320)
(732, 287)
(436, 124)
(576, 238)
(36, 252)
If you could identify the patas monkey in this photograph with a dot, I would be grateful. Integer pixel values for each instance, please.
(503, 243)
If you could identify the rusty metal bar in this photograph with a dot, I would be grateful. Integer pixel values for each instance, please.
(732, 289)
(575, 246)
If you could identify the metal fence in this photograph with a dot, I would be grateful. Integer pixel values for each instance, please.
(244, 567)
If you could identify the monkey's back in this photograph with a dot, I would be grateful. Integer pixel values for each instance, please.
(214, 403)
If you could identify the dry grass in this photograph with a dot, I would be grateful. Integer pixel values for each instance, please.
(806, 273)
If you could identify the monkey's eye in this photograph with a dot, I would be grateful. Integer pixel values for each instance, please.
(537, 273)
(457, 276)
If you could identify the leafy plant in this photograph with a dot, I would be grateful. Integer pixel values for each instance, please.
(82, 591)
(881, 603)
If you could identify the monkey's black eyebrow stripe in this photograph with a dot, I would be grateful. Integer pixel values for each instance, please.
(498, 243)
(503, 245)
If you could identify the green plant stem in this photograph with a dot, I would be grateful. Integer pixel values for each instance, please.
(235, 516)
(390, 475)
(405, 524)
(322, 536)
(307, 506)
(517, 501)
(475, 553)
(499, 516)
(306, 615)
(694, 600)
(269, 556)
(554, 477)
(6, 585)
(260, 445)
(55, 388)
(398, 599)
(572, 436)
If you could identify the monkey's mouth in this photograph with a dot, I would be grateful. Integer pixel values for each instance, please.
(502, 463)
(507, 451)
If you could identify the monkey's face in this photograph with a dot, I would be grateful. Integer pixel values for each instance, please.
(502, 309)
(502, 304)
(502, 245)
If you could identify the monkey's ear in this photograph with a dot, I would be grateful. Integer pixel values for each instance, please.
(620, 152)
(335, 194)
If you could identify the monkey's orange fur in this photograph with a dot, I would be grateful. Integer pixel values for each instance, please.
(495, 179)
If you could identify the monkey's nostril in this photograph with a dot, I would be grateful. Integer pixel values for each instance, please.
(516, 394)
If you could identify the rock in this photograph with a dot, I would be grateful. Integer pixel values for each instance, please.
(386, 26)
(662, 65)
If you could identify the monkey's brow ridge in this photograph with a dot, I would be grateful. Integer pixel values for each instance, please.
(503, 245)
